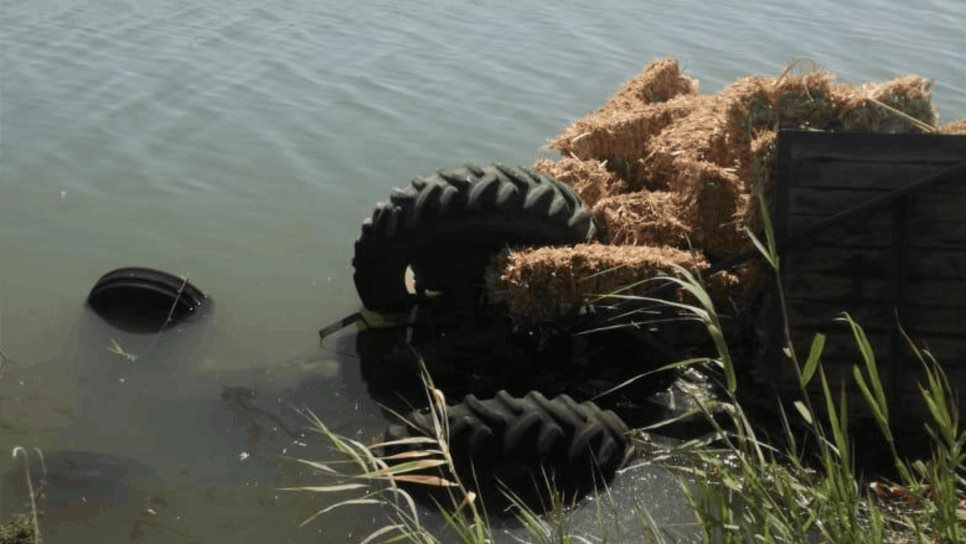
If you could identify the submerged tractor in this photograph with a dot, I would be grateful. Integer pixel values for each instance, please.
(539, 291)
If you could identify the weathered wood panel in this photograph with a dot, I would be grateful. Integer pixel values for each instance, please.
(907, 257)
(849, 173)
(933, 202)
(919, 264)
(857, 289)
(917, 320)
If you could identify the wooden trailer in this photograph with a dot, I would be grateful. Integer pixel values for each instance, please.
(873, 225)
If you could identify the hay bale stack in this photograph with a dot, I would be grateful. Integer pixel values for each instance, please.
(720, 131)
(589, 178)
(660, 81)
(618, 131)
(714, 201)
(661, 165)
(862, 108)
(547, 282)
(639, 219)
(620, 138)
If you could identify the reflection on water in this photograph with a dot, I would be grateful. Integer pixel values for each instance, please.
(240, 144)
(174, 449)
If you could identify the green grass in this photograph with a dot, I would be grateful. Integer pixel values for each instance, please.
(378, 478)
(739, 488)
(21, 528)
(17, 530)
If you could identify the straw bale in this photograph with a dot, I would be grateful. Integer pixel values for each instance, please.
(953, 127)
(547, 282)
(617, 132)
(659, 163)
(642, 218)
(713, 203)
(788, 101)
(720, 130)
(620, 137)
(589, 178)
(909, 94)
(660, 81)
(760, 171)
(694, 137)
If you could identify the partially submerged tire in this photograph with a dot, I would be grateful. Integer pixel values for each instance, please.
(144, 300)
(448, 225)
(520, 441)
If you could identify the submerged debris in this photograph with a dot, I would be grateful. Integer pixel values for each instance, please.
(17, 530)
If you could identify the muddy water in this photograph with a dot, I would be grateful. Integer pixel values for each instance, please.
(241, 143)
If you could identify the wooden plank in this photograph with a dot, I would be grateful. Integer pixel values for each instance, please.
(943, 206)
(878, 173)
(851, 289)
(931, 233)
(920, 263)
(874, 231)
(937, 324)
(939, 293)
(848, 146)
(852, 266)
(835, 260)
(950, 351)
(811, 316)
(826, 202)
(948, 347)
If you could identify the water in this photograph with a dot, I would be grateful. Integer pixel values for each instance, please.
(241, 143)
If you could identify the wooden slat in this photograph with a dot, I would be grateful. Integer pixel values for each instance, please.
(929, 233)
(826, 202)
(877, 173)
(950, 351)
(810, 316)
(856, 290)
(851, 289)
(851, 146)
(853, 266)
(875, 230)
(944, 325)
(920, 263)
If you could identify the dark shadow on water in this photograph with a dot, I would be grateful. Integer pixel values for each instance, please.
(72, 485)
(483, 353)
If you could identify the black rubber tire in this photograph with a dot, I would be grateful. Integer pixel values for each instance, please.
(137, 299)
(518, 440)
(448, 225)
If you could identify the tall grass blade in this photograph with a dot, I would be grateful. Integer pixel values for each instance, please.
(380, 532)
(814, 356)
(865, 348)
(325, 488)
(349, 502)
(765, 252)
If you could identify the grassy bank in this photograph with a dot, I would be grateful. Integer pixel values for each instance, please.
(801, 486)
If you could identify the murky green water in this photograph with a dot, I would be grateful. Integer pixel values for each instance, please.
(241, 143)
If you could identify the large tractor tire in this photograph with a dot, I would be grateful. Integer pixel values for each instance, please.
(447, 226)
(520, 441)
